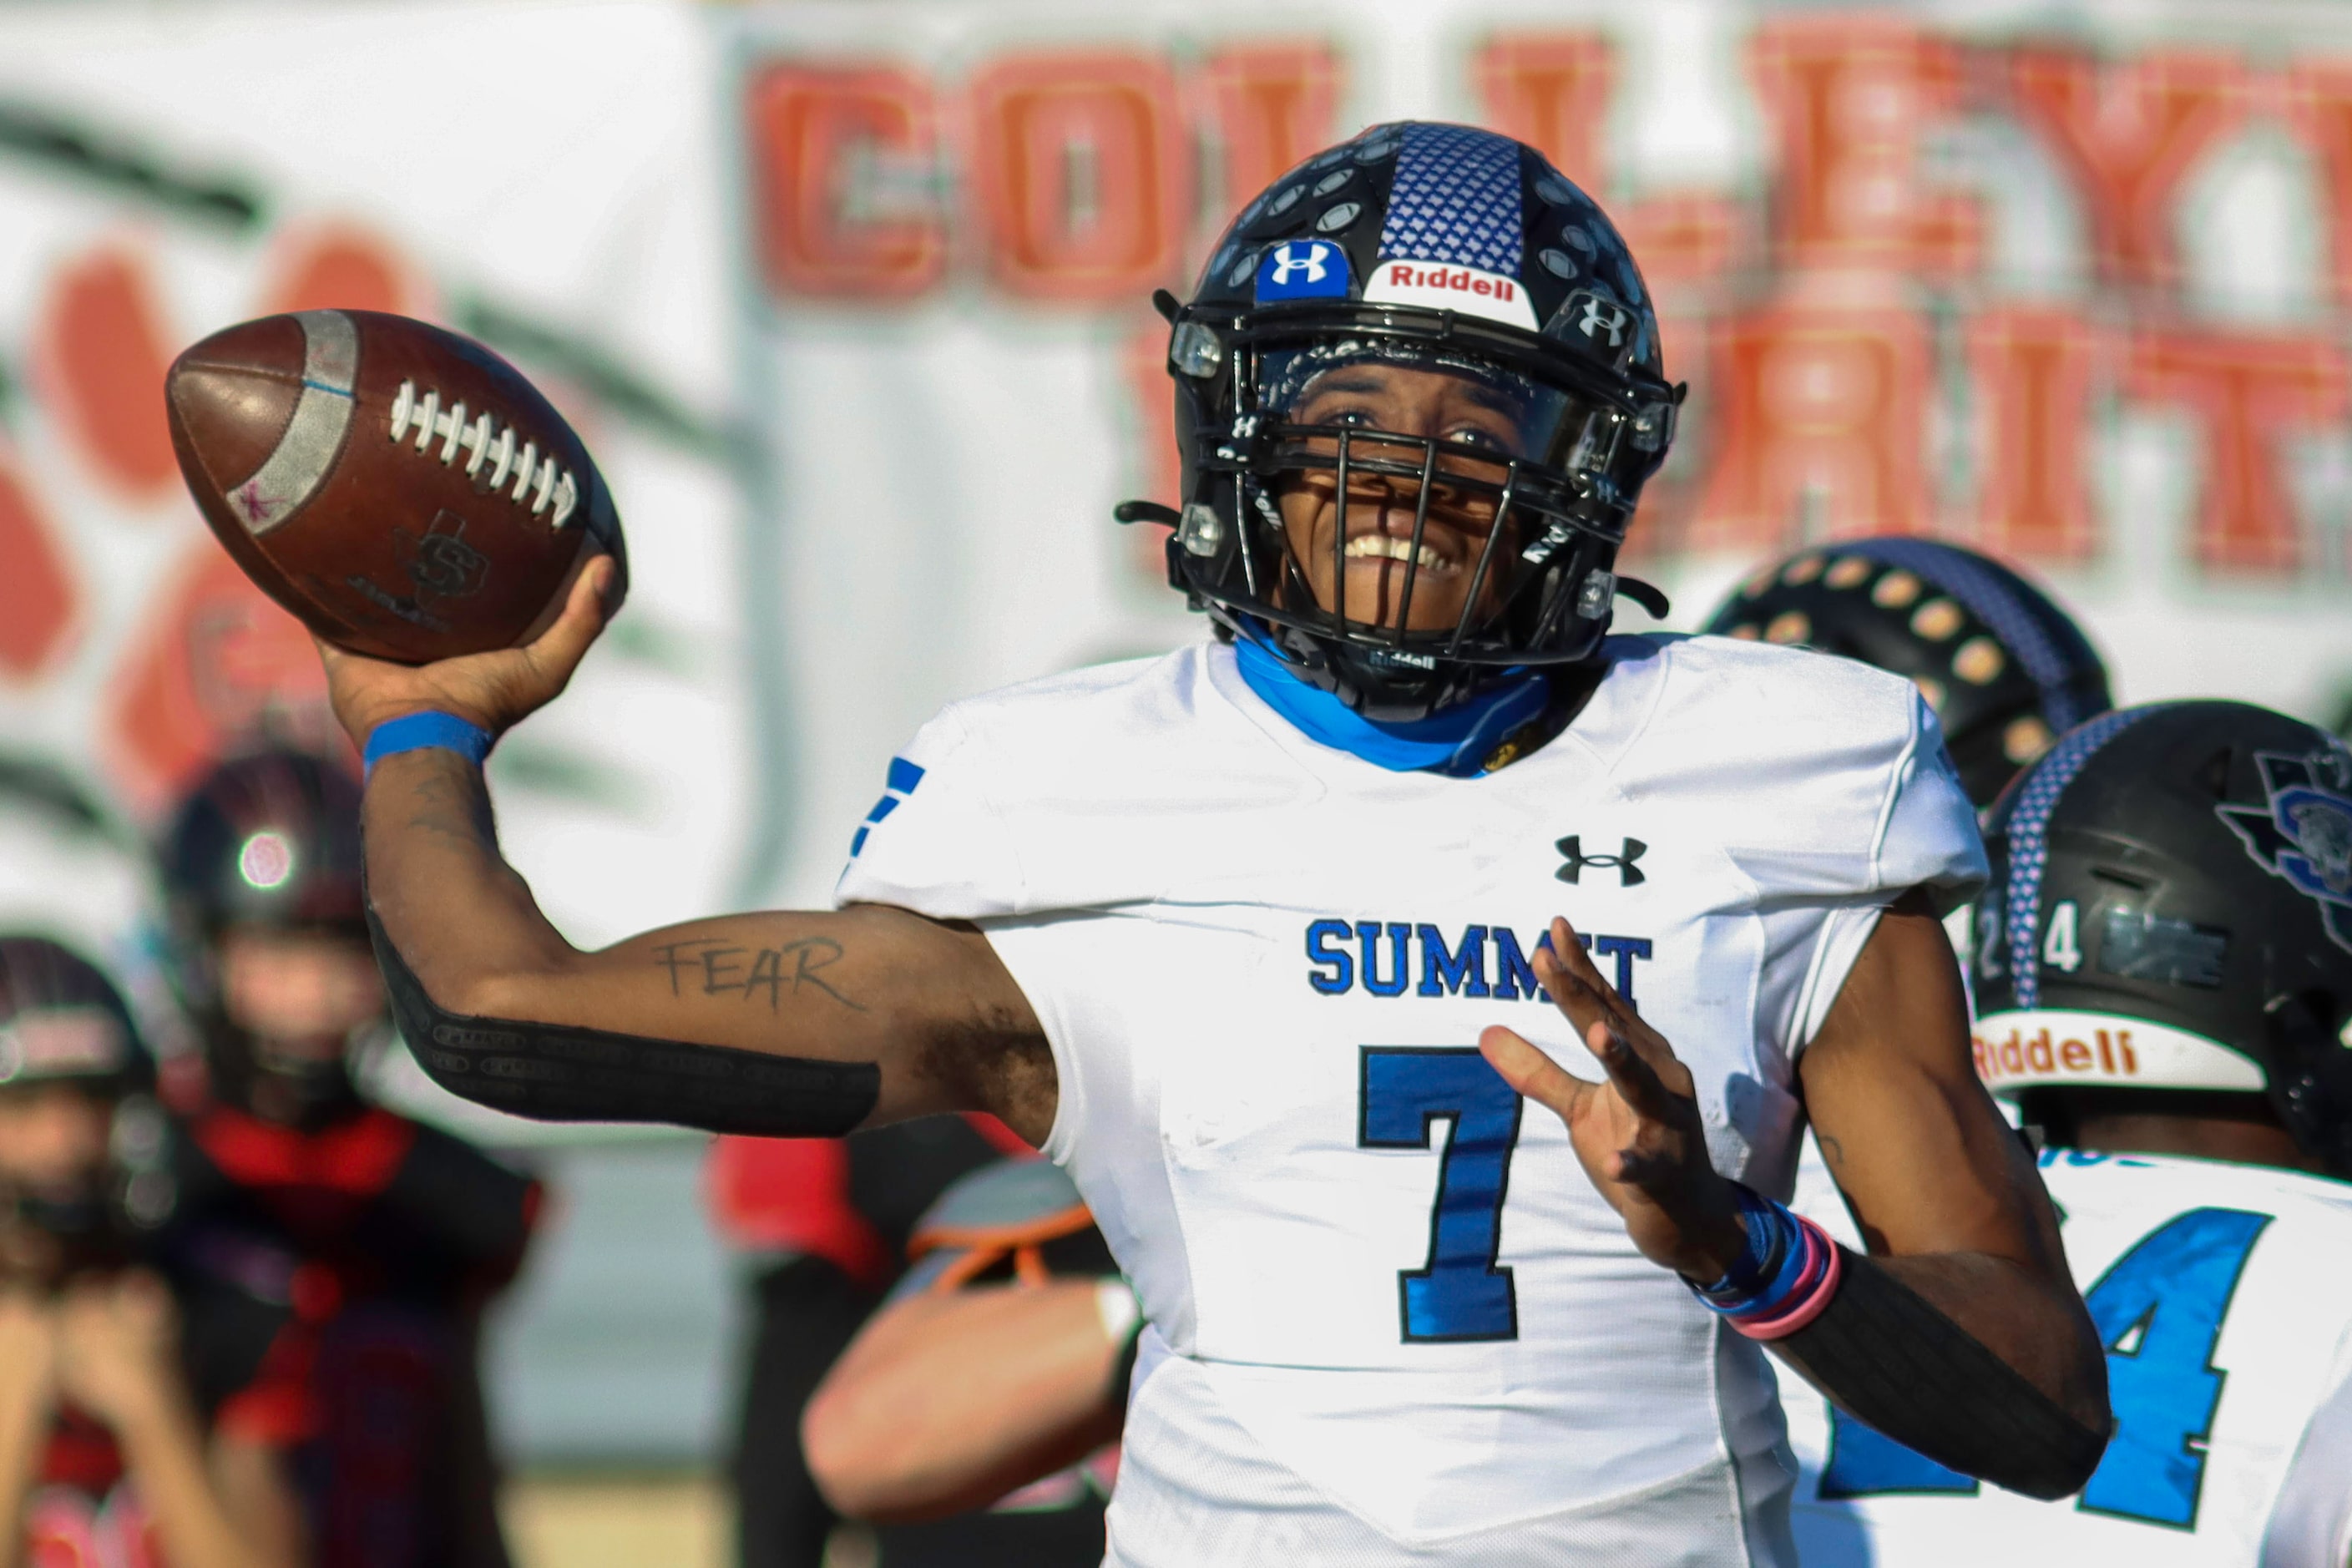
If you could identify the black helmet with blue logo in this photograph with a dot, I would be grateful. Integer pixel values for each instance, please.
(1434, 248)
(2171, 911)
(2005, 668)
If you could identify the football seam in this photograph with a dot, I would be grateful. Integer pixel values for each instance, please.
(485, 440)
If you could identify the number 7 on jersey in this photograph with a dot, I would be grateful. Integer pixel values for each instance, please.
(1461, 1293)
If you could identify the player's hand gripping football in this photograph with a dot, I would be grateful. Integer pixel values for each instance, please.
(496, 690)
(1639, 1134)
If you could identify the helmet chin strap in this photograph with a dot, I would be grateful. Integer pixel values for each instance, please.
(1456, 740)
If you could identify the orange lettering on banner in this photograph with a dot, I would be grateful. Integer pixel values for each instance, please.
(341, 267)
(1682, 236)
(101, 357)
(2319, 104)
(1848, 97)
(1820, 410)
(844, 168)
(37, 599)
(1551, 91)
(218, 665)
(1081, 167)
(2130, 134)
(2031, 370)
(2246, 390)
(1272, 103)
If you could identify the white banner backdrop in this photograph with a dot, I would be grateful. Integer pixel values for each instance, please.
(541, 177)
(2064, 282)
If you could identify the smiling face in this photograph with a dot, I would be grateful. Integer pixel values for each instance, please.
(1478, 428)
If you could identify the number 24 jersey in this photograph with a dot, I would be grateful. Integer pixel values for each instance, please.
(1391, 1320)
(2218, 1291)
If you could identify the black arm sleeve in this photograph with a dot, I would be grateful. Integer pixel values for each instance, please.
(1898, 1366)
(558, 1072)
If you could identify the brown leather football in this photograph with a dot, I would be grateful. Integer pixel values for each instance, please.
(402, 489)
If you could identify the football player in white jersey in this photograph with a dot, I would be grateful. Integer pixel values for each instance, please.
(2006, 671)
(2166, 973)
(1225, 933)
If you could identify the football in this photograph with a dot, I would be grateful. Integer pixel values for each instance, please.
(402, 489)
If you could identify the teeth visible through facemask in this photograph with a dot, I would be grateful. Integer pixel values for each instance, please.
(1385, 546)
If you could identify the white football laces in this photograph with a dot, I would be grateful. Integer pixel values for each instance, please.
(485, 441)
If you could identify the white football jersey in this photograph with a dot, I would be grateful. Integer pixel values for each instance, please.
(1392, 1321)
(2218, 1291)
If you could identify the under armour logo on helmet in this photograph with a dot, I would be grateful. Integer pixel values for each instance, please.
(1601, 316)
(1308, 259)
(1629, 875)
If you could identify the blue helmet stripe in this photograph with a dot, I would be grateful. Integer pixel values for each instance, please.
(1995, 602)
(2029, 840)
(1455, 199)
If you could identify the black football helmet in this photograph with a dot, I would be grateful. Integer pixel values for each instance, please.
(2171, 910)
(62, 1021)
(61, 1018)
(2006, 670)
(1437, 247)
(269, 839)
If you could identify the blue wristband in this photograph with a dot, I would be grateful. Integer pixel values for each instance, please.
(418, 731)
(1773, 1249)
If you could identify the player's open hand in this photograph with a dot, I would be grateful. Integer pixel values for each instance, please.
(496, 690)
(1639, 1134)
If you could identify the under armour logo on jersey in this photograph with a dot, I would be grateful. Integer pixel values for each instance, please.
(1303, 269)
(1602, 316)
(1629, 875)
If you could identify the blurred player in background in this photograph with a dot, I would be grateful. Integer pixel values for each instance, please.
(820, 1225)
(2006, 670)
(2165, 975)
(132, 1434)
(994, 1377)
(376, 1240)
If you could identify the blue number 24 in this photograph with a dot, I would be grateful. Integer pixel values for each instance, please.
(2159, 1310)
(1461, 1293)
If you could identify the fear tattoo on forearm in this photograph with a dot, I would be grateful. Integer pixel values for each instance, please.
(715, 966)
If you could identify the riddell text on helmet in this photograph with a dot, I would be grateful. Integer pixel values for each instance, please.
(1448, 288)
(2021, 1049)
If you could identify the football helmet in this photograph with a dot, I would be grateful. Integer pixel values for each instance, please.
(2006, 670)
(2171, 910)
(269, 839)
(61, 1018)
(62, 1021)
(1463, 256)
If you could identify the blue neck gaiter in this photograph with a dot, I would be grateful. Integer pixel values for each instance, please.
(1455, 741)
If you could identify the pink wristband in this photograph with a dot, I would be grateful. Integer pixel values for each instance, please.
(1808, 1303)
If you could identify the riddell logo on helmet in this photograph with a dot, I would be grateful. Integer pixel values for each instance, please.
(1444, 288)
(2107, 1055)
(2055, 1047)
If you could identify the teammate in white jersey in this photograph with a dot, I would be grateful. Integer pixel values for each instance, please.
(2167, 979)
(1226, 932)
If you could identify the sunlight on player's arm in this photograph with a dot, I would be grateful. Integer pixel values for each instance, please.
(924, 1002)
(1944, 1193)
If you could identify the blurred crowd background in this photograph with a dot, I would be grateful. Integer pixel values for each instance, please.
(850, 299)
